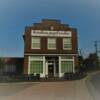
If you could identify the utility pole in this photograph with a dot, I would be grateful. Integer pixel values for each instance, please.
(97, 51)
(96, 47)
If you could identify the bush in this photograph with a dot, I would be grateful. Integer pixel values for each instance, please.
(74, 76)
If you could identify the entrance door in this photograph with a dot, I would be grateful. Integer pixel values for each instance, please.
(51, 70)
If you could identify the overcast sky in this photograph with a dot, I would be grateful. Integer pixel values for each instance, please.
(16, 14)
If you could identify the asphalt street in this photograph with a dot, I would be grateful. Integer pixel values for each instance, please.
(12, 88)
(95, 80)
(93, 84)
(68, 90)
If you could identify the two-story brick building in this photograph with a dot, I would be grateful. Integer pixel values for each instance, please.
(50, 49)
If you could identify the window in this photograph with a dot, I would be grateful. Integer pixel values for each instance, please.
(36, 67)
(67, 44)
(36, 64)
(51, 43)
(66, 66)
(35, 43)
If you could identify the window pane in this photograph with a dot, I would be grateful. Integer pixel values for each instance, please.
(35, 40)
(66, 66)
(36, 67)
(67, 43)
(51, 40)
(67, 40)
(52, 46)
(35, 43)
(51, 43)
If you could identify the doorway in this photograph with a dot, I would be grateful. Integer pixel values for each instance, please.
(52, 66)
(50, 70)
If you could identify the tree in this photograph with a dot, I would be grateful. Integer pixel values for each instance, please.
(80, 61)
(92, 62)
(1, 65)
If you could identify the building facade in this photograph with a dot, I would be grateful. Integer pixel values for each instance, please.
(50, 49)
(11, 65)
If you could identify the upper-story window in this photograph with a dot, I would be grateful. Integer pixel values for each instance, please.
(35, 43)
(67, 43)
(51, 43)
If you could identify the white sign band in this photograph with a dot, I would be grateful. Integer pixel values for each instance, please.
(51, 33)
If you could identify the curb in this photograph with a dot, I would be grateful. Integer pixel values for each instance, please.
(19, 83)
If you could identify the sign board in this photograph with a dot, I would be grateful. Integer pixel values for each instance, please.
(51, 33)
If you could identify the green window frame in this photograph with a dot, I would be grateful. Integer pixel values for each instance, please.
(66, 66)
(35, 42)
(36, 67)
(51, 43)
(67, 43)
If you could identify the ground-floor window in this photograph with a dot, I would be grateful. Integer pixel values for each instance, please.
(36, 67)
(36, 64)
(66, 66)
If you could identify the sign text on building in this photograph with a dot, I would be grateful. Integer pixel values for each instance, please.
(51, 33)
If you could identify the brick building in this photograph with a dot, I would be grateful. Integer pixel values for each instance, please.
(50, 49)
(11, 65)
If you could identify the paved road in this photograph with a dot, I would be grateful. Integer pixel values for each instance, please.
(94, 85)
(11, 89)
(71, 90)
(95, 80)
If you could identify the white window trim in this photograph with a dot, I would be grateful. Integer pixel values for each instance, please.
(66, 48)
(48, 45)
(37, 42)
